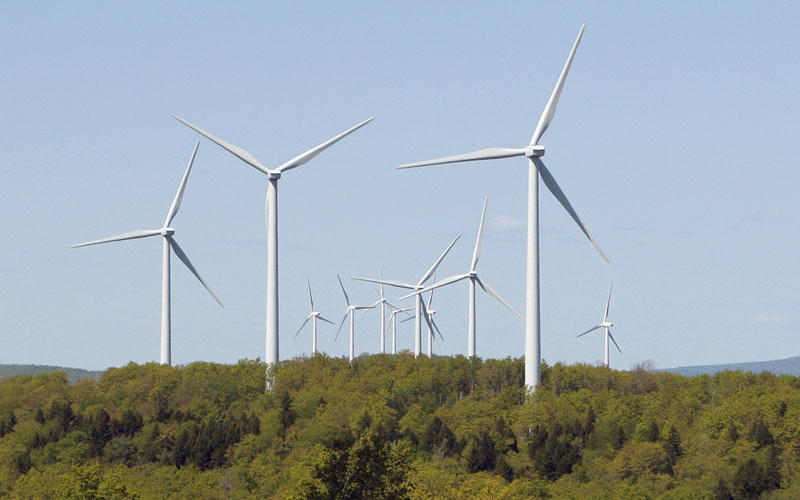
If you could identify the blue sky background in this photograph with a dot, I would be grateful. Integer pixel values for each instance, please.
(675, 140)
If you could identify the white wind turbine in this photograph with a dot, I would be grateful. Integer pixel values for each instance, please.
(419, 305)
(351, 309)
(383, 302)
(393, 324)
(433, 328)
(169, 241)
(472, 275)
(273, 175)
(534, 152)
(605, 324)
(313, 316)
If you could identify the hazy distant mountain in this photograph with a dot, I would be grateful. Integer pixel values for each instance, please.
(788, 366)
(73, 374)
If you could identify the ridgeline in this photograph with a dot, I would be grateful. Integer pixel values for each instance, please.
(392, 427)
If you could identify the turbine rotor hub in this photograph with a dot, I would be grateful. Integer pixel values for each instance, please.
(534, 151)
(167, 231)
(473, 274)
(274, 174)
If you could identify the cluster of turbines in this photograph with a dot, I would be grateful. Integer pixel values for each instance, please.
(536, 168)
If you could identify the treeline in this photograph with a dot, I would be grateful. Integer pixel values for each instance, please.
(398, 427)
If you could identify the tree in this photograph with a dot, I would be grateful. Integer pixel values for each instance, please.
(503, 469)
(479, 453)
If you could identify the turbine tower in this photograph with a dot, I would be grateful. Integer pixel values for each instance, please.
(350, 311)
(393, 323)
(419, 305)
(472, 275)
(168, 242)
(273, 175)
(607, 326)
(313, 316)
(533, 152)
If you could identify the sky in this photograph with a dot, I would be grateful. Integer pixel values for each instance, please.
(675, 140)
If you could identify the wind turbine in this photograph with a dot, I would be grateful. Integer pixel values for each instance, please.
(429, 312)
(607, 326)
(313, 316)
(273, 175)
(419, 305)
(351, 309)
(472, 275)
(168, 233)
(383, 302)
(393, 323)
(534, 152)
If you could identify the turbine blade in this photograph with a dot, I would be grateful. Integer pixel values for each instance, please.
(435, 265)
(132, 235)
(488, 289)
(382, 296)
(341, 325)
(614, 341)
(407, 319)
(311, 153)
(310, 297)
(430, 297)
(176, 202)
(608, 304)
(549, 111)
(590, 330)
(426, 315)
(436, 328)
(483, 154)
(234, 150)
(346, 298)
(552, 185)
(182, 256)
(477, 253)
(301, 328)
(325, 320)
(444, 282)
(398, 284)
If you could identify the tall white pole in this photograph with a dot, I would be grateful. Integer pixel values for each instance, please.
(271, 357)
(352, 335)
(606, 356)
(471, 334)
(533, 344)
(313, 335)
(394, 333)
(166, 336)
(417, 326)
(383, 327)
(430, 336)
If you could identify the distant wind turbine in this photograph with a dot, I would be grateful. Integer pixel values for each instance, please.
(350, 311)
(273, 175)
(168, 242)
(383, 302)
(313, 316)
(472, 275)
(534, 152)
(605, 324)
(419, 305)
(393, 324)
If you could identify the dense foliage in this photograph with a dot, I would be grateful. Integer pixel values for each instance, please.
(395, 427)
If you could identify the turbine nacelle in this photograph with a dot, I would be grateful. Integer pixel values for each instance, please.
(274, 174)
(167, 231)
(535, 151)
(607, 324)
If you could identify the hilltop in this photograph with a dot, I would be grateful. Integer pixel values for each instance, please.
(73, 374)
(788, 366)
(401, 428)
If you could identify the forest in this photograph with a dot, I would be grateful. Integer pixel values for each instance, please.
(395, 427)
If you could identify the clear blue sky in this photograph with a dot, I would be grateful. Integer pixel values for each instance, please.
(675, 140)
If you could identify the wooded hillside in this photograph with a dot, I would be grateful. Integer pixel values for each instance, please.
(398, 427)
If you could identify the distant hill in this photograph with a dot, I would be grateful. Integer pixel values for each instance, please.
(73, 374)
(788, 366)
